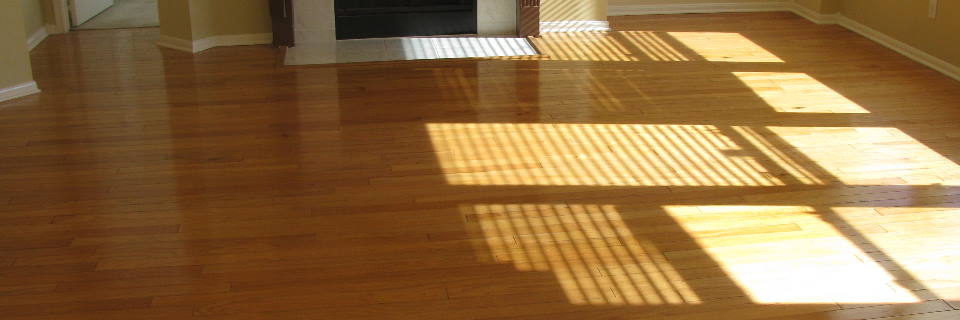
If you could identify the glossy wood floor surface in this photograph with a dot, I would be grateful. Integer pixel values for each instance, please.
(735, 166)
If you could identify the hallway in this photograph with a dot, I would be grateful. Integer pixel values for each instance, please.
(125, 14)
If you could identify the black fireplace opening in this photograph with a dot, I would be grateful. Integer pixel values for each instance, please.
(360, 19)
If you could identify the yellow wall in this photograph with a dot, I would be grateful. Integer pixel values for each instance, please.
(907, 21)
(32, 15)
(573, 10)
(830, 6)
(175, 19)
(821, 6)
(229, 17)
(13, 45)
(630, 2)
(199, 19)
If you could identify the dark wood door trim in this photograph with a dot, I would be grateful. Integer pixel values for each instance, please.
(281, 12)
(528, 18)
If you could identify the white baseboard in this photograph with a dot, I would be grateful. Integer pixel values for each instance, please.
(17, 91)
(645, 9)
(53, 29)
(215, 41)
(175, 43)
(37, 37)
(574, 26)
(815, 17)
(232, 40)
(907, 50)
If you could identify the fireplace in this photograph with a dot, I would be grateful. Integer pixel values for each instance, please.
(322, 33)
(314, 22)
(357, 19)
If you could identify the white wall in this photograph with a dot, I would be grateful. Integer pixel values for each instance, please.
(83, 10)
(497, 17)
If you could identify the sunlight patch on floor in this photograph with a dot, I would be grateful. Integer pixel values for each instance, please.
(652, 46)
(724, 47)
(608, 255)
(812, 263)
(869, 156)
(797, 92)
(611, 46)
(595, 257)
(608, 155)
(407, 48)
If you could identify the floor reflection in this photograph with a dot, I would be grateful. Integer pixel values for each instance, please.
(650, 174)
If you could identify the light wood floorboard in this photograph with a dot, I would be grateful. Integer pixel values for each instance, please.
(711, 166)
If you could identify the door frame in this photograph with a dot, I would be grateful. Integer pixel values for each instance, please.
(282, 16)
(61, 16)
(528, 18)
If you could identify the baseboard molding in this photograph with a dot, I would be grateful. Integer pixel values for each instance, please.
(18, 91)
(574, 26)
(215, 41)
(37, 37)
(646, 9)
(175, 43)
(233, 40)
(813, 16)
(53, 29)
(907, 50)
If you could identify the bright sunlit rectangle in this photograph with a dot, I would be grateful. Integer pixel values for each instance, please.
(604, 155)
(653, 46)
(592, 252)
(797, 92)
(723, 47)
(868, 156)
(533, 154)
(686, 254)
(813, 263)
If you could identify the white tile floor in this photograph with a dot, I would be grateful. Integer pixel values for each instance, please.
(395, 49)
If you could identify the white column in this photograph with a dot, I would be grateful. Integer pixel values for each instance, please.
(497, 17)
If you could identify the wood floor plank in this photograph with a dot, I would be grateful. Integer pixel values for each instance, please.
(677, 167)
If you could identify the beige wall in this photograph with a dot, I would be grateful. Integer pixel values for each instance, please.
(175, 19)
(229, 17)
(13, 45)
(821, 6)
(830, 6)
(198, 19)
(629, 2)
(907, 21)
(573, 10)
(32, 15)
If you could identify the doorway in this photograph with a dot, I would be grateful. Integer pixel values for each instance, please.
(117, 15)
(104, 14)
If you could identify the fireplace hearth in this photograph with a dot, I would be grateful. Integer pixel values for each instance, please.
(358, 19)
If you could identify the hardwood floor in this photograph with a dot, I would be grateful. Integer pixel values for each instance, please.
(731, 166)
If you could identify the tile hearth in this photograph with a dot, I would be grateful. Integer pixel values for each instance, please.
(408, 48)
